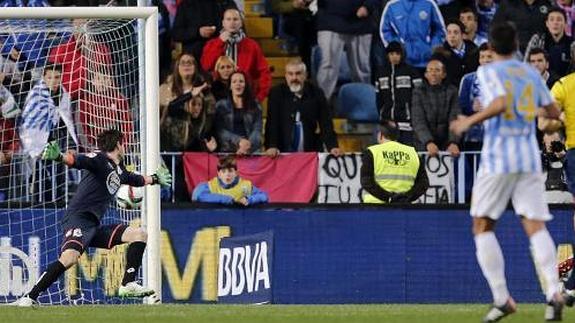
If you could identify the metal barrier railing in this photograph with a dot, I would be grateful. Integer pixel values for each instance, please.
(28, 184)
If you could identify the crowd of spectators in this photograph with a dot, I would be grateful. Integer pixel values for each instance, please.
(216, 80)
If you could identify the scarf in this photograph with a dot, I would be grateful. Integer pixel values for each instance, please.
(232, 45)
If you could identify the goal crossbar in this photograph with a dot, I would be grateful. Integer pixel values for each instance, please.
(76, 12)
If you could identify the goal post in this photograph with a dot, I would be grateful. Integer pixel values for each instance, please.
(147, 116)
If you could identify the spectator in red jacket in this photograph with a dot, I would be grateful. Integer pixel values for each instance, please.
(9, 111)
(102, 106)
(75, 63)
(243, 50)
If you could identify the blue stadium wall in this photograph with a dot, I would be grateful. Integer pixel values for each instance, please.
(371, 255)
(344, 255)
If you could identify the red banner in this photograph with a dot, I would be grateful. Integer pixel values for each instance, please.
(290, 178)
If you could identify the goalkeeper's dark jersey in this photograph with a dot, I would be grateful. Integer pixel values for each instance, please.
(101, 179)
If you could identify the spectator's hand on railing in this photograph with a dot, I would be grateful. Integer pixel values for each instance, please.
(432, 149)
(243, 201)
(336, 152)
(244, 147)
(453, 150)
(272, 152)
(211, 144)
(3, 158)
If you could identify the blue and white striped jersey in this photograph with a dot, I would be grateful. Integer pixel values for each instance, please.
(509, 143)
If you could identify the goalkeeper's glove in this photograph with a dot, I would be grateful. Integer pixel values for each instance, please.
(162, 177)
(52, 152)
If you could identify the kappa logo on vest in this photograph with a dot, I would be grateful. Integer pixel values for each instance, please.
(396, 158)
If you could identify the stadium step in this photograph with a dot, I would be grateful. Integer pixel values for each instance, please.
(274, 47)
(259, 27)
(345, 127)
(254, 8)
(277, 65)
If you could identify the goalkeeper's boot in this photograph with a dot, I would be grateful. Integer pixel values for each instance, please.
(133, 289)
(496, 313)
(24, 301)
(554, 309)
(569, 297)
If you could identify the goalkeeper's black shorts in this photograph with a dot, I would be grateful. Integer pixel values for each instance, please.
(82, 232)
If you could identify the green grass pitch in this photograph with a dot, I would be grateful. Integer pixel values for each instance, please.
(460, 313)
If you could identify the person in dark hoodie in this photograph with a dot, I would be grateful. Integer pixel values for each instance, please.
(394, 83)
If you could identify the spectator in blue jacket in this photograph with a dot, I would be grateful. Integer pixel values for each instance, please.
(229, 188)
(469, 100)
(417, 24)
(486, 10)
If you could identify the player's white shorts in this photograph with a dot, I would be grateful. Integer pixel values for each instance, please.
(492, 192)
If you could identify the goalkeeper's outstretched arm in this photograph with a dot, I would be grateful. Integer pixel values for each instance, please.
(52, 152)
(162, 177)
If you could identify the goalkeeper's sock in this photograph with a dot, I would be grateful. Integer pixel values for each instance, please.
(133, 261)
(545, 255)
(51, 274)
(492, 265)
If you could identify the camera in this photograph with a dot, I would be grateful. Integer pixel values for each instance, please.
(557, 146)
(553, 161)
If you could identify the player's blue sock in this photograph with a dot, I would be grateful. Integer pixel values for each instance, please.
(133, 261)
(51, 274)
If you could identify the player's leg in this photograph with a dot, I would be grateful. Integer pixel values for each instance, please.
(490, 259)
(67, 259)
(77, 235)
(136, 237)
(111, 235)
(528, 201)
(489, 199)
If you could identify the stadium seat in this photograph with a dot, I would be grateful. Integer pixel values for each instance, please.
(344, 71)
(356, 102)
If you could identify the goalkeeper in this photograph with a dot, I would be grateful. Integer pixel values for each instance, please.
(103, 174)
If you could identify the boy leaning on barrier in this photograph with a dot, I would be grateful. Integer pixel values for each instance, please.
(228, 187)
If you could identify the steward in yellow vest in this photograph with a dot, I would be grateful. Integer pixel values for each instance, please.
(392, 172)
(228, 187)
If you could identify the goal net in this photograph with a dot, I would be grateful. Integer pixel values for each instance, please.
(68, 79)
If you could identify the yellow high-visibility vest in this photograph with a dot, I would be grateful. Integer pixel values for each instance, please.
(242, 189)
(395, 167)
